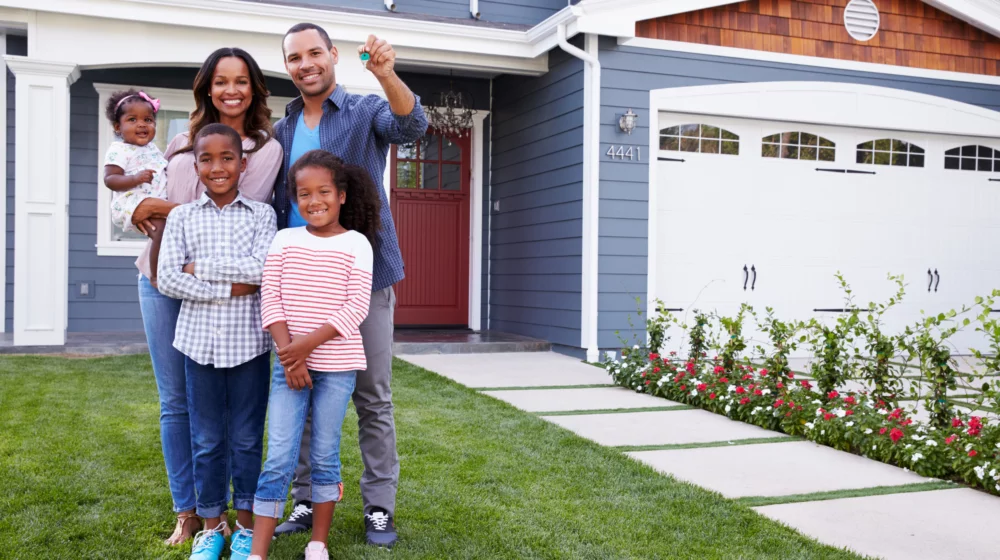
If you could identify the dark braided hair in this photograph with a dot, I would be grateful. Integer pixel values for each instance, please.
(360, 211)
(113, 111)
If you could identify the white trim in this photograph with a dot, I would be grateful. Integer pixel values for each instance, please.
(489, 228)
(170, 100)
(476, 223)
(766, 56)
(3, 178)
(838, 104)
(41, 203)
(591, 188)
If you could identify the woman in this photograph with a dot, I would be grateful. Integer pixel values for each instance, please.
(229, 89)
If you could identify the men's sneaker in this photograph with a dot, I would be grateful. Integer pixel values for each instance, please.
(299, 521)
(239, 548)
(380, 528)
(208, 544)
(316, 550)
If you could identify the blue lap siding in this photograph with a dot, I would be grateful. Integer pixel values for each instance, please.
(15, 45)
(628, 75)
(537, 173)
(514, 12)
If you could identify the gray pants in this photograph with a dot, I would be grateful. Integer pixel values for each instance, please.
(376, 427)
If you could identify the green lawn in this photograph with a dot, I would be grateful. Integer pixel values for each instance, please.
(81, 476)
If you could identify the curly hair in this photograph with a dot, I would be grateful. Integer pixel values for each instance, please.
(257, 124)
(360, 211)
(113, 111)
(221, 130)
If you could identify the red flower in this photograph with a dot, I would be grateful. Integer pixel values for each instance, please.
(763, 372)
(778, 403)
(850, 400)
(647, 382)
(723, 380)
(832, 395)
(848, 412)
(719, 369)
(791, 375)
(895, 414)
(673, 353)
(683, 387)
(689, 367)
(805, 383)
(973, 453)
(973, 432)
(828, 416)
(975, 422)
(654, 356)
(702, 387)
(656, 370)
(740, 390)
(745, 400)
(788, 414)
(950, 439)
(906, 422)
(881, 404)
(747, 376)
(956, 423)
(895, 435)
(758, 392)
(711, 396)
(883, 431)
(780, 385)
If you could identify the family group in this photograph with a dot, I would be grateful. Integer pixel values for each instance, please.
(268, 238)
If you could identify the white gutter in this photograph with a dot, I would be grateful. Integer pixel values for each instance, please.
(591, 186)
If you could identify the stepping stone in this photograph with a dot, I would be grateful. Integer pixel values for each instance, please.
(558, 400)
(667, 427)
(936, 525)
(515, 369)
(775, 469)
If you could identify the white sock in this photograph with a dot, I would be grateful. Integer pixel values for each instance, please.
(315, 545)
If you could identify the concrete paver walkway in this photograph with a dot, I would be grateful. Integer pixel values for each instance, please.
(719, 454)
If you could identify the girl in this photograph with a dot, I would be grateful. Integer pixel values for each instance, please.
(229, 89)
(134, 166)
(316, 287)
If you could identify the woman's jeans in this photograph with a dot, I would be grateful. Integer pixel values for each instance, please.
(228, 407)
(286, 418)
(159, 318)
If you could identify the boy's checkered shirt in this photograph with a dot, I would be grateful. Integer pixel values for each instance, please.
(228, 246)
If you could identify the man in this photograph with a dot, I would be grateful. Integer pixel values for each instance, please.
(359, 129)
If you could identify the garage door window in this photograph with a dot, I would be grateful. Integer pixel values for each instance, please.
(889, 151)
(701, 138)
(798, 145)
(972, 158)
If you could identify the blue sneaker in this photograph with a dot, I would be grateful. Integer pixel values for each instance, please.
(208, 544)
(239, 548)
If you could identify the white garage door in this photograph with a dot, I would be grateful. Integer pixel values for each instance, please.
(795, 203)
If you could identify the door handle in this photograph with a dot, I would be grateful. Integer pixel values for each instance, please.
(930, 280)
(753, 268)
(746, 277)
(937, 279)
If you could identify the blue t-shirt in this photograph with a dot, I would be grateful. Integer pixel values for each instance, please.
(306, 139)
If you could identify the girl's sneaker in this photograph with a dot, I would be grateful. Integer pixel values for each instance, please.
(239, 548)
(316, 550)
(208, 544)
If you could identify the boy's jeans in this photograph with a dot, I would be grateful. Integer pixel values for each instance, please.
(287, 412)
(227, 408)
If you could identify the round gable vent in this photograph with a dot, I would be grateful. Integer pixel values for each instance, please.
(861, 19)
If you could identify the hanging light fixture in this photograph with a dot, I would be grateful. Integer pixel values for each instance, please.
(452, 116)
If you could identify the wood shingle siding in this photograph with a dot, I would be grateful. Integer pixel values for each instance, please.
(911, 33)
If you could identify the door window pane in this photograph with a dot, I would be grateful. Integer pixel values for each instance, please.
(451, 177)
(430, 173)
(406, 175)
(430, 148)
(451, 151)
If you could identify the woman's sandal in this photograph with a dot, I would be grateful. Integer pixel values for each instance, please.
(179, 536)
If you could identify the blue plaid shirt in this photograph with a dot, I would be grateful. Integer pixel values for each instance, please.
(358, 129)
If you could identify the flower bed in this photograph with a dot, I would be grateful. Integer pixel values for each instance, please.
(968, 450)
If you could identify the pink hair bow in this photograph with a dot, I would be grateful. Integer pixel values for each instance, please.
(154, 102)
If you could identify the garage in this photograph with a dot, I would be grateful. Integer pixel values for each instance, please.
(768, 211)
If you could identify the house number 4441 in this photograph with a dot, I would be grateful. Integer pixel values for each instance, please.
(632, 153)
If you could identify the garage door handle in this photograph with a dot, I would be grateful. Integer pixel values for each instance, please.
(930, 280)
(746, 277)
(937, 278)
(753, 269)
(670, 159)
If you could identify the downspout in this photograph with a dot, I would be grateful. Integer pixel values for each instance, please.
(591, 189)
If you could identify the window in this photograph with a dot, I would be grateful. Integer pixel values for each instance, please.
(432, 163)
(798, 145)
(889, 151)
(972, 158)
(171, 119)
(701, 138)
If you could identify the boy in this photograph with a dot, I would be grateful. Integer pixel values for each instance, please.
(212, 258)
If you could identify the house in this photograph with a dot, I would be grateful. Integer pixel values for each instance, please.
(700, 152)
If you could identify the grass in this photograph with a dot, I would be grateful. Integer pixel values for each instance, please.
(757, 501)
(703, 445)
(82, 477)
(614, 410)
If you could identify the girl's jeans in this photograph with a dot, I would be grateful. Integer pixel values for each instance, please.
(287, 412)
(227, 413)
(159, 318)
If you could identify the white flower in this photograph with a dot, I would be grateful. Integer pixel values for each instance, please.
(919, 438)
(979, 472)
(817, 401)
(694, 392)
(766, 392)
(728, 408)
(841, 413)
(993, 473)
(810, 425)
(998, 446)
(916, 457)
(636, 347)
(883, 411)
(968, 447)
(732, 388)
(908, 446)
(868, 432)
(931, 443)
(822, 432)
(819, 412)
(849, 424)
(874, 447)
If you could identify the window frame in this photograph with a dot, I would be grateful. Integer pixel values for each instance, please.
(170, 100)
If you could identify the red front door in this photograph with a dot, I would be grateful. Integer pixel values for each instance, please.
(430, 206)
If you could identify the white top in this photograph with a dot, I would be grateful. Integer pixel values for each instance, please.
(133, 159)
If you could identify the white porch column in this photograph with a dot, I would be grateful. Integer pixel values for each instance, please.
(41, 199)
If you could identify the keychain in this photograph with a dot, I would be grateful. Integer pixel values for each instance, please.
(365, 57)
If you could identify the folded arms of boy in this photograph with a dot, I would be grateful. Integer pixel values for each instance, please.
(246, 269)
